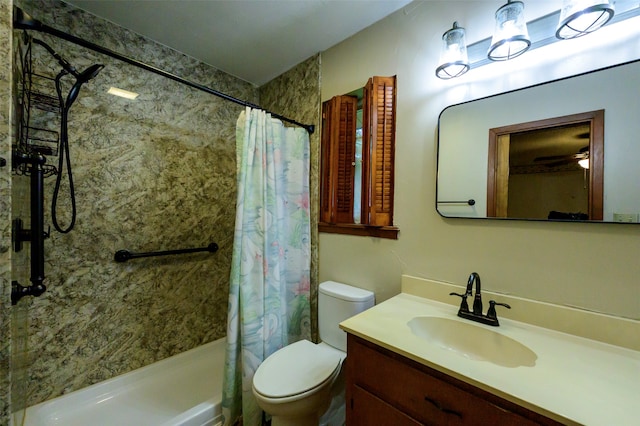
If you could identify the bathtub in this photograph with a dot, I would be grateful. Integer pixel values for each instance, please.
(184, 390)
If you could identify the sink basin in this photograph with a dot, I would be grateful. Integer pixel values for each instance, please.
(472, 341)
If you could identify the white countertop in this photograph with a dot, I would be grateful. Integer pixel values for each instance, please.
(574, 380)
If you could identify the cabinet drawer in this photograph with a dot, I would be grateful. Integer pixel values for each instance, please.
(424, 397)
(367, 409)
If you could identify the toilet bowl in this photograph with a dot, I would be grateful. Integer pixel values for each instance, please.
(298, 383)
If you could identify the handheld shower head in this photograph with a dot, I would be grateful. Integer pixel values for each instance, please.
(81, 78)
(89, 73)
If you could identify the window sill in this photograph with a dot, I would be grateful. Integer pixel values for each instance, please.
(389, 232)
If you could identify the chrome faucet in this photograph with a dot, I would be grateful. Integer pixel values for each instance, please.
(476, 315)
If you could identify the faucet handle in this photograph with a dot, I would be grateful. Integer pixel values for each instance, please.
(491, 313)
(464, 306)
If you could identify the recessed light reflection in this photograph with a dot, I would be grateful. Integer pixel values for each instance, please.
(122, 93)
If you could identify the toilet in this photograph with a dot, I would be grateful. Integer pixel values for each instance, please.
(302, 384)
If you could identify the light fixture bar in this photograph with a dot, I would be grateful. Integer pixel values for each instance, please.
(542, 32)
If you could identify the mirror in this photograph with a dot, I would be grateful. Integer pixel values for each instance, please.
(516, 155)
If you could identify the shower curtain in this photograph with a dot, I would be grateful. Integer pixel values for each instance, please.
(270, 281)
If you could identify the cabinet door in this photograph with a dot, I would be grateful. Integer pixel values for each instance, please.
(423, 395)
(365, 409)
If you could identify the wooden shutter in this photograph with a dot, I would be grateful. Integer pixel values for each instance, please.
(379, 123)
(338, 159)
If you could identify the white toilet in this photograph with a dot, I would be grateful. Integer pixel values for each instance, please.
(298, 383)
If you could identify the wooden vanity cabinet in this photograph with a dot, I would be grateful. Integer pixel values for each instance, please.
(388, 389)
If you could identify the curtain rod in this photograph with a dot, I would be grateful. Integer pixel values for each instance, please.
(21, 20)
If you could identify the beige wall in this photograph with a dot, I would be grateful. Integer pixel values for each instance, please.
(590, 266)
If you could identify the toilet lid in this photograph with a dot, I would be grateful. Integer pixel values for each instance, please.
(295, 369)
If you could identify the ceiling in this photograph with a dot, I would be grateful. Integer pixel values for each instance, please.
(549, 149)
(255, 40)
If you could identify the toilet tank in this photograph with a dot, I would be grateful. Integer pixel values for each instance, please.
(336, 303)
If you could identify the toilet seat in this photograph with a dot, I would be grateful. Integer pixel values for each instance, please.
(296, 369)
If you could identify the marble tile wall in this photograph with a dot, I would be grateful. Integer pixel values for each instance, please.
(156, 173)
(20, 266)
(5, 211)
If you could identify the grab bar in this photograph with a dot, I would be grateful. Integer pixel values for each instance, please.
(124, 255)
(36, 235)
(470, 202)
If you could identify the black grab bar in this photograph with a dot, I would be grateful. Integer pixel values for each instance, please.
(36, 235)
(124, 255)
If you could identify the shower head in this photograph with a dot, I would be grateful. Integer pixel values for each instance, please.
(89, 73)
(81, 78)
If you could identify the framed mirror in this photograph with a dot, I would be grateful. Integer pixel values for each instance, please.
(564, 150)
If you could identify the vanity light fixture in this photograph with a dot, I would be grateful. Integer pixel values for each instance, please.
(510, 37)
(581, 17)
(453, 57)
(513, 36)
(122, 93)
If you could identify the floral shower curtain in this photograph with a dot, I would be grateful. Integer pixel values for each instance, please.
(270, 281)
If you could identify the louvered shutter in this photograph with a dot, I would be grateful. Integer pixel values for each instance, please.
(338, 153)
(380, 124)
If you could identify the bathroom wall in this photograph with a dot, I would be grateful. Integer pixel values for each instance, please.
(157, 173)
(590, 266)
(5, 211)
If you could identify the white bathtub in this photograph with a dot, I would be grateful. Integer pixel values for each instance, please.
(183, 390)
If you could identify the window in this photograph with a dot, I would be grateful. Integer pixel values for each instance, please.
(357, 170)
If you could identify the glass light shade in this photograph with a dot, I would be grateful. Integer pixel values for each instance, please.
(584, 163)
(510, 37)
(580, 17)
(453, 57)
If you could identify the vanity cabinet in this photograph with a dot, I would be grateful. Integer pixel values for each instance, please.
(385, 388)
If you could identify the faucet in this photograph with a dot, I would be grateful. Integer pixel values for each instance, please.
(477, 300)
(476, 315)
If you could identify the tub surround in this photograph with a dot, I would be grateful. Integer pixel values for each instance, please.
(152, 174)
(575, 380)
(157, 173)
(182, 390)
